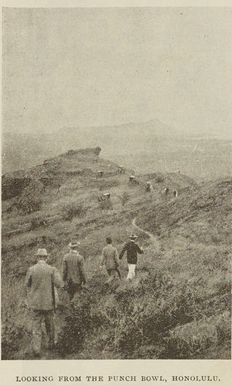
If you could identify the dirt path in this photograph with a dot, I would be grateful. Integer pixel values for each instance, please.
(152, 237)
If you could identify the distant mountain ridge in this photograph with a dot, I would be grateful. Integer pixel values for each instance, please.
(145, 146)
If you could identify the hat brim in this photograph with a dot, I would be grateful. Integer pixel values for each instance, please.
(71, 245)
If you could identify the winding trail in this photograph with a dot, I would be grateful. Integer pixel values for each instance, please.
(152, 237)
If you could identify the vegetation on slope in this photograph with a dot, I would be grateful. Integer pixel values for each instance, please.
(179, 304)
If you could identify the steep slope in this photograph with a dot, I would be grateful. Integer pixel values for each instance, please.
(204, 215)
(181, 284)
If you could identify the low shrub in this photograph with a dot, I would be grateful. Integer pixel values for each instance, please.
(124, 198)
(140, 320)
(159, 179)
(128, 336)
(14, 318)
(107, 184)
(12, 336)
(72, 210)
(106, 205)
(30, 199)
(37, 222)
(76, 328)
(193, 339)
(29, 204)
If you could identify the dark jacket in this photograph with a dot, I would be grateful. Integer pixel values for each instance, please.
(132, 250)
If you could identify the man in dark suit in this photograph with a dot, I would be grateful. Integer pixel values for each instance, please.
(132, 250)
(73, 270)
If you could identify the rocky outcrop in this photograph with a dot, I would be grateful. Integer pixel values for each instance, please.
(86, 152)
(51, 173)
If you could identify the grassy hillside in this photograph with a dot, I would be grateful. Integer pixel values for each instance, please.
(179, 304)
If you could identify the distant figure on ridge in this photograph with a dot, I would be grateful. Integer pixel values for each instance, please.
(100, 174)
(103, 197)
(121, 170)
(131, 178)
(73, 270)
(132, 250)
(110, 259)
(175, 193)
(166, 191)
(106, 195)
(149, 187)
(41, 283)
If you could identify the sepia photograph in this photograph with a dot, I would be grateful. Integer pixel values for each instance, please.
(116, 183)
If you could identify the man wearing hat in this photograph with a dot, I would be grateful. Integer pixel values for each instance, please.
(41, 283)
(132, 250)
(73, 269)
(109, 258)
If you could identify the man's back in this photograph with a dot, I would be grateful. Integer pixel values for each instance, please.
(132, 250)
(39, 281)
(73, 267)
(110, 257)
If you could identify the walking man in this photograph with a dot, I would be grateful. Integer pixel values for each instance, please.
(73, 270)
(110, 260)
(132, 250)
(41, 283)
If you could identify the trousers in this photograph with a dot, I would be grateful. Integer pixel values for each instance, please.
(114, 272)
(73, 288)
(131, 271)
(38, 317)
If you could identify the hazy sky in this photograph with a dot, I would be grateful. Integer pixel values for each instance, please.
(81, 67)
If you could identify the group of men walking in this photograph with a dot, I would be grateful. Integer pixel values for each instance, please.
(42, 281)
(110, 257)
